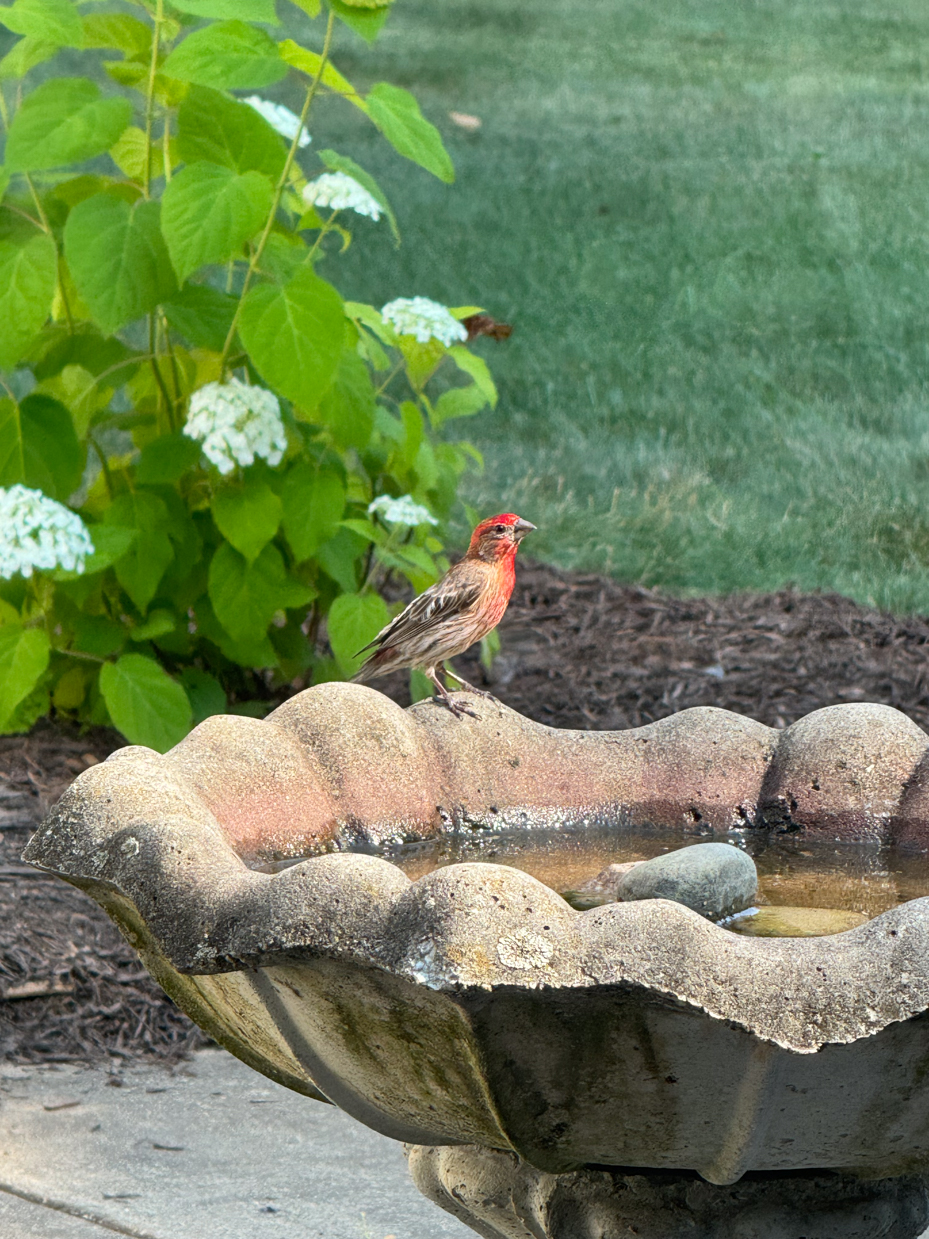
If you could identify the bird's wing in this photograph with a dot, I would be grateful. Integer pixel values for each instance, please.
(451, 596)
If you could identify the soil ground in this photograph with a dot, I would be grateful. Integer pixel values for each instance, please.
(578, 651)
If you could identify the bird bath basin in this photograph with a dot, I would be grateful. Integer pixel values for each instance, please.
(632, 1068)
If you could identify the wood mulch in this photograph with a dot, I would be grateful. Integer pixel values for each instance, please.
(578, 651)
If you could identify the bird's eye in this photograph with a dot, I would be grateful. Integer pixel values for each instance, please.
(499, 528)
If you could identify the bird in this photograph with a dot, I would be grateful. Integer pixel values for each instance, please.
(444, 620)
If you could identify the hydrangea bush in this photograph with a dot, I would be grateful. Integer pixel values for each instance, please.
(210, 463)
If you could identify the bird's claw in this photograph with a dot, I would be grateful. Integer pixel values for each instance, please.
(457, 710)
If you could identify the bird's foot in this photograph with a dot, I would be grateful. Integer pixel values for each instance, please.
(456, 709)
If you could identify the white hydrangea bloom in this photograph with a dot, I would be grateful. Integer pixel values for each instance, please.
(235, 422)
(424, 319)
(402, 511)
(280, 118)
(38, 533)
(343, 193)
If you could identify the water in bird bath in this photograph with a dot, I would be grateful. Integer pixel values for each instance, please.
(794, 871)
(800, 875)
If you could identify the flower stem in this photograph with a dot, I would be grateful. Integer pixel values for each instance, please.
(279, 189)
(327, 225)
(150, 92)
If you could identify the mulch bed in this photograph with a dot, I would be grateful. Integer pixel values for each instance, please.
(578, 651)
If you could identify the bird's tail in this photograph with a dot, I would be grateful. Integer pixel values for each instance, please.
(374, 666)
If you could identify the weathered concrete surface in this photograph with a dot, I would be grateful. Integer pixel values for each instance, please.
(474, 1005)
(502, 1198)
(241, 1159)
(714, 879)
(842, 772)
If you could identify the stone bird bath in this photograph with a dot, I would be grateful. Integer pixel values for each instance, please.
(632, 1069)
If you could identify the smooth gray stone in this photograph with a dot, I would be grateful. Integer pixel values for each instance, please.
(714, 879)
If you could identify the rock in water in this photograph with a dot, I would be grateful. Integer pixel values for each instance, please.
(777, 922)
(715, 879)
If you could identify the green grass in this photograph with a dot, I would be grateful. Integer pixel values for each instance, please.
(709, 224)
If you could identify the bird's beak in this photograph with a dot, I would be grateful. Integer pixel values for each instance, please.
(521, 528)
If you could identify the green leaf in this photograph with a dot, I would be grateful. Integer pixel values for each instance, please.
(145, 704)
(111, 543)
(63, 121)
(247, 515)
(117, 258)
(129, 155)
(353, 621)
(39, 446)
(294, 335)
(141, 568)
(476, 367)
(348, 406)
(338, 556)
(202, 315)
(213, 127)
(207, 696)
(366, 22)
(55, 21)
(314, 501)
(341, 163)
(120, 31)
(309, 63)
(23, 659)
(223, 10)
(25, 55)
(208, 212)
(96, 634)
(458, 402)
(256, 652)
(166, 459)
(310, 7)
(231, 55)
(28, 276)
(246, 596)
(396, 113)
(156, 624)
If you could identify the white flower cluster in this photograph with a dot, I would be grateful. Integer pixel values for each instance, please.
(235, 423)
(402, 511)
(38, 532)
(280, 118)
(343, 193)
(424, 319)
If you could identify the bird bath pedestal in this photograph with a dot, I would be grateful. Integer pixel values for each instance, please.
(632, 1069)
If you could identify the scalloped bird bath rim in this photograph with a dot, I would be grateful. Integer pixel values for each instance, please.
(474, 1006)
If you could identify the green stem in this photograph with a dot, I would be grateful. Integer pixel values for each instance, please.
(38, 204)
(90, 658)
(322, 232)
(279, 189)
(156, 370)
(101, 456)
(390, 378)
(25, 214)
(150, 92)
(166, 146)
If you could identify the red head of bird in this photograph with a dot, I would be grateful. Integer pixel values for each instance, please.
(498, 537)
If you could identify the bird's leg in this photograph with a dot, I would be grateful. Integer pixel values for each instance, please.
(442, 695)
(468, 688)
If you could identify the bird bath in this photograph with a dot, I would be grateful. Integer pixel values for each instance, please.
(632, 1068)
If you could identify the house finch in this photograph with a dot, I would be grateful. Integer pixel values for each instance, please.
(451, 615)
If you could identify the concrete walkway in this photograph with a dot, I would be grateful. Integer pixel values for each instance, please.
(210, 1151)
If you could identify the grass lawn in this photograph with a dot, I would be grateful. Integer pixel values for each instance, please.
(709, 224)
